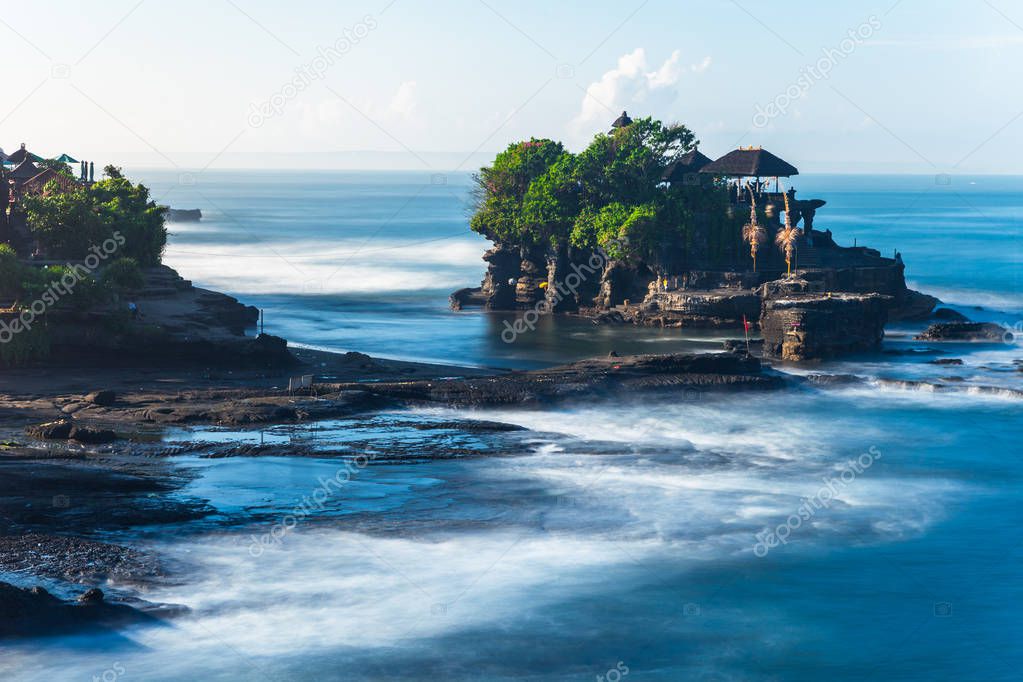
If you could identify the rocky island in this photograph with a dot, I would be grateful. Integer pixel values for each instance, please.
(642, 228)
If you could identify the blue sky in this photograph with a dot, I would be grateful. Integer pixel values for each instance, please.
(921, 86)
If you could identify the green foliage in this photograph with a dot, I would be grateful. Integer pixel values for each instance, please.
(56, 165)
(123, 275)
(65, 223)
(128, 209)
(609, 196)
(10, 272)
(25, 347)
(68, 224)
(114, 172)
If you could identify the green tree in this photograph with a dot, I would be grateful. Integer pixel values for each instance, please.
(128, 209)
(66, 224)
(608, 196)
(56, 165)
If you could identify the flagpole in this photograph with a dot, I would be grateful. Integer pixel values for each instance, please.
(745, 329)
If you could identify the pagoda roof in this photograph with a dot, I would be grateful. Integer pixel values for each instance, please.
(751, 162)
(25, 170)
(22, 155)
(622, 121)
(690, 162)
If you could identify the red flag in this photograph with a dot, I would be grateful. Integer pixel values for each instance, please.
(746, 325)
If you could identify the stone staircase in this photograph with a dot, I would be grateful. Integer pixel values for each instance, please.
(162, 281)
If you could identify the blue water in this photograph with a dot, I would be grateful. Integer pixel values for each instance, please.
(608, 536)
(365, 261)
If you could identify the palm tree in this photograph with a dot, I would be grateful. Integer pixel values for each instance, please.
(787, 236)
(752, 231)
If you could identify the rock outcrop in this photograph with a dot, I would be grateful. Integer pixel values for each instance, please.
(835, 285)
(34, 612)
(588, 379)
(814, 326)
(965, 331)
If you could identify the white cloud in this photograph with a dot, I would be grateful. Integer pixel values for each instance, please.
(702, 66)
(632, 82)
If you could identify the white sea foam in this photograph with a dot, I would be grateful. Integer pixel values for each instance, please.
(346, 266)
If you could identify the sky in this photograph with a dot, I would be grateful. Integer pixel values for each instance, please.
(899, 86)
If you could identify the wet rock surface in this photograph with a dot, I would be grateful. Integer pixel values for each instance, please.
(964, 331)
(26, 612)
(588, 379)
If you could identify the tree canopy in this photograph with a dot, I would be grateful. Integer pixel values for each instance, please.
(68, 223)
(608, 196)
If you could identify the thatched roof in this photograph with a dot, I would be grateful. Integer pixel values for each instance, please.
(25, 171)
(22, 155)
(751, 162)
(622, 121)
(690, 162)
(38, 182)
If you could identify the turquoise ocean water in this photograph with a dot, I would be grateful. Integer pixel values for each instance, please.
(618, 541)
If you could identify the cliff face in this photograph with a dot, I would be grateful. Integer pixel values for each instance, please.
(814, 326)
(838, 302)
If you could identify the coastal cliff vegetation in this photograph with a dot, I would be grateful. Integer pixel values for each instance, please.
(610, 196)
(67, 223)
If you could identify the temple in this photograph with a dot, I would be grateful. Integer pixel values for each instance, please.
(810, 296)
(24, 173)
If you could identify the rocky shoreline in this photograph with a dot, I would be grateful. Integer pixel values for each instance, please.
(844, 288)
(82, 453)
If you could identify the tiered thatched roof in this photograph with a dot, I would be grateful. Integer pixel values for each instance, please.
(622, 121)
(25, 170)
(687, 164)
(751, 162)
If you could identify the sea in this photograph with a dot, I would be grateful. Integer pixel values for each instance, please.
(847, 532)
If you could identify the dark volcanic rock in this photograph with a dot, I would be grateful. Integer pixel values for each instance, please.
(740, 345)
(588, 379)
(467, 297)
(183, 215)
(964, 331)
(92, 435)
(811, 327)
(912, 305)
(949, 315)
(102, 398)
(58, 430)
(33, 612)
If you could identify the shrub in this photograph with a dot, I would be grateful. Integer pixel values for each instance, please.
(123, 275)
